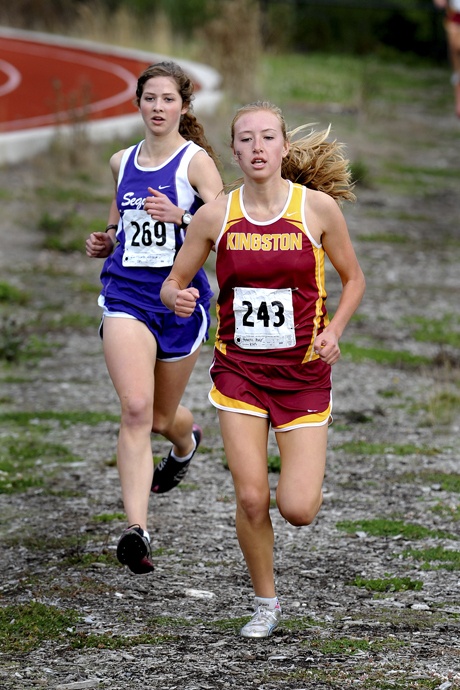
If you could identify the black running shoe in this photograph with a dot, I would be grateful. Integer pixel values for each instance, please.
(169, 472)
(133, 550)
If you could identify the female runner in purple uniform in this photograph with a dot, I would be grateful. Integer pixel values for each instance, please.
(150, 352)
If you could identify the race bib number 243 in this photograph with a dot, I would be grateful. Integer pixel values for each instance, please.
(264, 318)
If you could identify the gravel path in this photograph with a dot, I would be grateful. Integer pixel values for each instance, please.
(178, 627)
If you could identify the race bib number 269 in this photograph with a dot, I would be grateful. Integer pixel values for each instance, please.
(148, 242)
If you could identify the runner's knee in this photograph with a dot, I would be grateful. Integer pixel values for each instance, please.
(300, 512)
(254, 503)
(136, 411)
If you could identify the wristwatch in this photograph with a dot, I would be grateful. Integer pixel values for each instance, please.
(186, 220)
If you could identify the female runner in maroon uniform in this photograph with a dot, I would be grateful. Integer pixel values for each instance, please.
(275, 343)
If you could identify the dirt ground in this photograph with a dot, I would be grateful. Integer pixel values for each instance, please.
(178, 628)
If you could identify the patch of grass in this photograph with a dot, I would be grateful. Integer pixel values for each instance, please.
(385, 527)
(348, 646)
(89, 288)
(274, 463)
(71, 546)
(387, 584)
(435, 557)
(24, 627)
(65, 233)
(162, 551)
(21, 462)
(442, 408)
(445, 331)
(168, 622)
(389, 393)
(188, 486)
(109, 517)
(230, 623)
(416, 179)
(11, 340)
(368, 676)
(75, 321)
(397, 358)
(65, 419)
(447, 511)
(315, 78)
(360, 174)
(345, 646)
(401, 450)
(9, 294)
(74, 195)
(16, 345)
(211, 336)
(448, 481)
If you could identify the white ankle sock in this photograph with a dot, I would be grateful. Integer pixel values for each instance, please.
(270, 602)
(185, 457)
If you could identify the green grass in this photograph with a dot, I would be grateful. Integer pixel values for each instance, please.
(24, 627)
(65, 419)
(413, 179)
(442, 408)
(109, 517)
(401, 450)
(435, 557)
(366, 676)
(384, 527)
(273, 463)
(387, 584)
(74, 195)
(397, 358)
(317, 78)
(448, 512)
(444, 331)
(24, 456)
(9, 294)
(17, 345)
(447, 481)
(23, 462)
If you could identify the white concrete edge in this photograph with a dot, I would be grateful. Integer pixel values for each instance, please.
(18, 146)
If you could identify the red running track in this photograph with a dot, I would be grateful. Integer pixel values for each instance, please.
(45, 84)
(49, 81)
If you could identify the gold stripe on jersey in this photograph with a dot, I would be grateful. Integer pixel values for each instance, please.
(222, 347)
(319, 318)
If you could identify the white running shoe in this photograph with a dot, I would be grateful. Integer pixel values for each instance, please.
(263, 622)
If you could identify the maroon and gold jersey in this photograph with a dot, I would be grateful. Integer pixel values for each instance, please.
(272, 299)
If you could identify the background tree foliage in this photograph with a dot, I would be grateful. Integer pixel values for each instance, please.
(412, 27)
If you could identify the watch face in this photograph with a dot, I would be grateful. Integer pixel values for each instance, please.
(186, 218)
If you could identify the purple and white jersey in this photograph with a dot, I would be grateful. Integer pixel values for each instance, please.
(146, 248)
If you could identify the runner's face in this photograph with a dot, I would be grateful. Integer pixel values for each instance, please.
(258, 143)
(161, 105)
